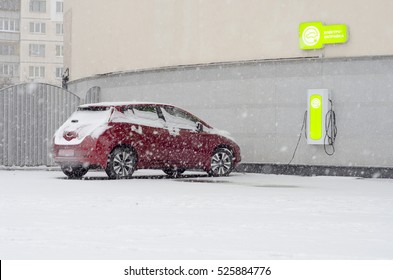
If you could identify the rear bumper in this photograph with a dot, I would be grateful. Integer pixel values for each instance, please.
(74, 161)
(78, 155)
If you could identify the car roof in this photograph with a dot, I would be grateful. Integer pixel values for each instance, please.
(131, 103)
(122, 104)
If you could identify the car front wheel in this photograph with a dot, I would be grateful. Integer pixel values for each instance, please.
(74, 172)
(221, 162)
(121, 163)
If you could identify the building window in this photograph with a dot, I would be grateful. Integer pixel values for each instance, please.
(59, 72)
(10, 5)
(37, 50)
(59, 7)
(8, 49)
(36, 71)
(37, 27)
(37, 6)
(59, 29)
(59, 51)
(7, 69)
(9, 25)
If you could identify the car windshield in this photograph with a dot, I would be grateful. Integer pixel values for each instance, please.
(178, 118)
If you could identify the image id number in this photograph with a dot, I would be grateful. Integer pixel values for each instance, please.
(254, 270)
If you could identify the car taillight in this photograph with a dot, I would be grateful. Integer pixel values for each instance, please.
(69, 135)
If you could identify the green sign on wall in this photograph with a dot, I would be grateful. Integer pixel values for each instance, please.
(314, 35)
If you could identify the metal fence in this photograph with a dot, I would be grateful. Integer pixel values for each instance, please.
(29, 116)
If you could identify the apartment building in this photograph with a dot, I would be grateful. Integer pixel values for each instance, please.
(9, 42)
(31, 41)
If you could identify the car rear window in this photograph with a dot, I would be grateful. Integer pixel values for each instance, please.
(98, 108)
(91, 115)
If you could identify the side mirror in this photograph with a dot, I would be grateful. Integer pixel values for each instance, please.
(199, 127)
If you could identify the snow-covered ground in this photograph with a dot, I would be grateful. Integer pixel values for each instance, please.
(244, 216)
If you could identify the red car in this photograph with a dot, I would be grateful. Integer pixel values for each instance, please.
(123, 137)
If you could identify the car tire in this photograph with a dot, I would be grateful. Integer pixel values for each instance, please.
(121, 163)
(221, 162)
(173, 172)
(74, 172)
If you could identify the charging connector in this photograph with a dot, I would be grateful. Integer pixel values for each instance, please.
(330, 130)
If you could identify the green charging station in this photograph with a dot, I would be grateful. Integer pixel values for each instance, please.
(318, 106)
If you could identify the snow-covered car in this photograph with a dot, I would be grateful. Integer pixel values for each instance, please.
(123, 137)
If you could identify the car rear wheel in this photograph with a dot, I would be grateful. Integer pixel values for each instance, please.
(221, 162)
(121, 163)
(74, 172)
(174, 172)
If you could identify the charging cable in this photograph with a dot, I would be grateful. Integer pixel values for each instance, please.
(330, 130)
(300, 136)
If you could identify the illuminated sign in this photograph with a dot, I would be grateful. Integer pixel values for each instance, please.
(314, 35)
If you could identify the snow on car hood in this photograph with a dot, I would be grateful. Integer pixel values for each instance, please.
(220, 132)
(81, 124)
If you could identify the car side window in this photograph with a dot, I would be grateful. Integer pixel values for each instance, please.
(178, 118)
(145, 112)
(143, 115)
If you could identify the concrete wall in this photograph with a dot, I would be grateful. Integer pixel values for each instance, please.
(263, 103)
(122, 35)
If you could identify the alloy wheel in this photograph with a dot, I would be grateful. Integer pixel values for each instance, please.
(122, 162)
(221, 163)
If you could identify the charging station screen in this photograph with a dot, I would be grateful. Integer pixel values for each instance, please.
(315, 116)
